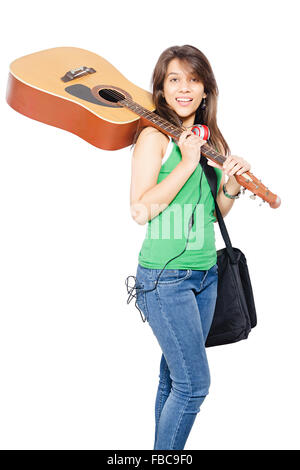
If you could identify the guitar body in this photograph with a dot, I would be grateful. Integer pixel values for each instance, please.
(62, 87)
(81, 92)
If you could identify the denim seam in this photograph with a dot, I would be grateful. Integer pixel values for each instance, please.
(160, 399)
(184, 364)
(178, 424)
(164, 384)
(203, 280)
(175, 280)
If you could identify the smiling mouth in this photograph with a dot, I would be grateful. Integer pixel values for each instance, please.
(184, 100)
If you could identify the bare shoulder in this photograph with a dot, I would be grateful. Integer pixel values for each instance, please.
(153, 139)
(152, 131)
(146, 162)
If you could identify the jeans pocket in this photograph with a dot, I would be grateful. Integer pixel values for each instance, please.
(214, 269)
(172, 276)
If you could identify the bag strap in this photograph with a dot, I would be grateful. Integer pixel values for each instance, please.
(211, 177)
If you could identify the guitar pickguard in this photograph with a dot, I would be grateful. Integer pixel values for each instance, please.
(84, 92)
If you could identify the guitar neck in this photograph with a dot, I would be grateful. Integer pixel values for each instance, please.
(167, 128)
(247, 179)
(31, 92)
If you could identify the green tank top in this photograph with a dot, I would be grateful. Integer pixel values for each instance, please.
(167, 233)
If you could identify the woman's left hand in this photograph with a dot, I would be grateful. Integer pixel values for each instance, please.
(233, 165)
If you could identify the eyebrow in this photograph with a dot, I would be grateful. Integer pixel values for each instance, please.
(174, 73)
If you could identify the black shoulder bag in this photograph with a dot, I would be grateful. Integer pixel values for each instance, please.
(235, 312)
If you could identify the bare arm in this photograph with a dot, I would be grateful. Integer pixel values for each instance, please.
(232, 165)
(225, 203)
(147, 198)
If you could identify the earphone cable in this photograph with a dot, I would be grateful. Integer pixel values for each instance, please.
(136, 288)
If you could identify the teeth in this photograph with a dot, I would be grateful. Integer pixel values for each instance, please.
(183, 99)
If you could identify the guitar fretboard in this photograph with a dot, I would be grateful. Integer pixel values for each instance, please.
(168, 128)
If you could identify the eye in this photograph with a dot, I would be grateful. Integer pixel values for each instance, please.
(173, 79)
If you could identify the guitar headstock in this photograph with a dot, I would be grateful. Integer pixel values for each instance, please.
(249, 181)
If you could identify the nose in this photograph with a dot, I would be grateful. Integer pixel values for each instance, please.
(184, 85)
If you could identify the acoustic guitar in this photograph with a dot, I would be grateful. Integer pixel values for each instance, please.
(81, 92)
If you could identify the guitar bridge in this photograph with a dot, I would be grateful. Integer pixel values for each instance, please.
(76, 73)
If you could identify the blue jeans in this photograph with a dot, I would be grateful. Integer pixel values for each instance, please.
(180, 312)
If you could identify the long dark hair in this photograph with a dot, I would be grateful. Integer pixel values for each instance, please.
(202, 68)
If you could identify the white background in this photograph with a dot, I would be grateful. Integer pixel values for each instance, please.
(78, 368)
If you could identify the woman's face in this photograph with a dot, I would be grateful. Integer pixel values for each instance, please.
(183, 91)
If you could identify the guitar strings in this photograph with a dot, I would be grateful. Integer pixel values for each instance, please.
(119, 97)
(169, 127)
(165, 124)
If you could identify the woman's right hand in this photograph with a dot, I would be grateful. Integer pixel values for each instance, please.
(190, 146)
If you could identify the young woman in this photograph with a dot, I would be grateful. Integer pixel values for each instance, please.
(167, 182)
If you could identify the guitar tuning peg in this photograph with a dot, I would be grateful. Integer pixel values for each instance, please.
(243, 190)
(253, 196)
(261, 202)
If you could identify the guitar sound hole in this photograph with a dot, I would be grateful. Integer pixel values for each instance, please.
(111, 95)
